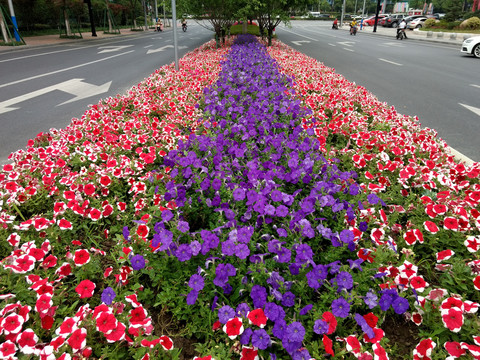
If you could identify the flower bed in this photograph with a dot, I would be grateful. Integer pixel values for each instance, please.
(284, 213)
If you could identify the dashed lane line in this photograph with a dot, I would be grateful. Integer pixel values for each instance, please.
(390, 62)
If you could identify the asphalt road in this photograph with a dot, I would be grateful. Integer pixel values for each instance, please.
(45, 87)
(433, 81)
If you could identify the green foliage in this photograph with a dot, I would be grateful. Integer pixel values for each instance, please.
(429, 23)
(472, 23)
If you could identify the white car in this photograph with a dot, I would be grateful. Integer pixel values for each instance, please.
(471, 46)
(416, 23)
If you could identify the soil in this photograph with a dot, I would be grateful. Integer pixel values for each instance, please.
(403, 336)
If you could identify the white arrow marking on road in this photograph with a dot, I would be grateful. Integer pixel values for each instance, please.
(112, 48)
(346, 43)
(298, 43)
(75, 87)
(159, 49)
(471, 108)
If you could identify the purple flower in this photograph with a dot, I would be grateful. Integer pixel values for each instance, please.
(370, 299)
(274, 312)
(281, 211)
(400, 305)
(320, 327)
(167, 215)
(304, 253)
(344, 280)
(183, 226)
(290, 345)
(225, 313)
(192, 297)
(387, 298)
(258, 295)
(295, 331)
(242, 251)
(340, 308)
(260, 339)
(228, 248)
(301, 354)
(196, 282)
(363, 226)
(126, 233)
(138, 262)
(108, 295)
(306, 309)
(245, 337)
(355, 264)
(184, 252)
(279, 329)
(364, 325)
(288, 299)
(239, 194)
(242, 310)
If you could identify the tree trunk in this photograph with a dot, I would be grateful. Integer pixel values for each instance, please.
(244, 28)
(110, 28)
(67, 23)
(4, 29)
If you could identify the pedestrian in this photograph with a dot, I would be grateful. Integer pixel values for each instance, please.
(361, 23)
(335, 24)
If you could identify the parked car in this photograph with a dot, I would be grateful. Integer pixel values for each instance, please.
(371, 20)
(393, 20)
(416, 23)
(471, 46)
(412, 17)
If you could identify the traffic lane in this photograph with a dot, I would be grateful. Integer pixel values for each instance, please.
(43, 112)
(405, 86)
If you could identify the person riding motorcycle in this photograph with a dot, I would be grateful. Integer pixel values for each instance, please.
(184, 24)
(353, 27)
(401, 28)
(335, 24)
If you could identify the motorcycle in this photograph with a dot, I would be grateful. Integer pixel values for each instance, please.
(184, 27)
(353, 30)
(335, 26)
(401, 34)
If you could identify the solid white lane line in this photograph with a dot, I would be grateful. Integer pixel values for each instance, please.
(390, 62)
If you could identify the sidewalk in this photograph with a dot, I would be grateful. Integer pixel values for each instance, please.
(55, 39)
(440, 37)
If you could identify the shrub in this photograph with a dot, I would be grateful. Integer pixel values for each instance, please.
(430, 22)
(472, 23)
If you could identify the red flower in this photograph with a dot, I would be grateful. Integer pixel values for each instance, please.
(44, 303)
(257, 317)
(249, 353)
(452, 319)
(233, 328)
(424, 348)
(327, 342)
(7, 349)
(116, 334)
(379, 352)
(68, 326)
(78, 339)
(371, 319)
(12, 324)
(454, 349)
(353, 345)
(27, 338)
(106, 322)
(81, 257)
(330, 319)
(64, 224)
(431, 227)
(450, 223)
(444, 255)
(166, 342)
(47, 322)
(418, 283)
(85, 289)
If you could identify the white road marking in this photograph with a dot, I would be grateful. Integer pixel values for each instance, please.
(306, 37)
(390, 62)
(472, 109)
(112, 48)
(146, 47)
(346, 43)
(474, 85)
(349, 49)
(151, 51)
(63, 70)
(299, 42)
(76, 87)
(331, 44)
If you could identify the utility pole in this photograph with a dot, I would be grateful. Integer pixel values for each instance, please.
(156, 11)
(174, 25)
(14, 20)
(343, 13)
(90, 15)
